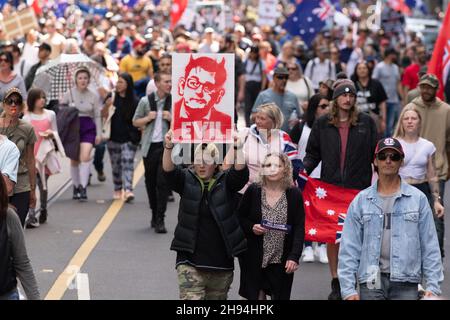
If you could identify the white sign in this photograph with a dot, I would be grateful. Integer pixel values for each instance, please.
(202, 97)
(268, 12)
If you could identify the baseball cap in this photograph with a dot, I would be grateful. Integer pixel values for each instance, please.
(209, 30)
(429, 79)
(343, 86)
(45, 46)
(239, 28)
(138, 42)
(12, 91)
(329, 83)
(389, 143)
(281, 70)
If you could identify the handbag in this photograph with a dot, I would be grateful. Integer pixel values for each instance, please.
(106, 122)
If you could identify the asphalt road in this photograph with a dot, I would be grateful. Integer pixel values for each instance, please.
(122, 256)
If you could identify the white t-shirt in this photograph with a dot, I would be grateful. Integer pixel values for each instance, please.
(416, 158)
(302, 88)
(9, 158)
(302, 143)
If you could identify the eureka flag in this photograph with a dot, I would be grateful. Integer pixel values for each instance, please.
(325, 210)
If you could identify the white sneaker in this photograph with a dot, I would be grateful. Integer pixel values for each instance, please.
(308, 254)
(323, 258)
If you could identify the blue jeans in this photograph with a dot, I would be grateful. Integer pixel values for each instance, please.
(390, 290)
(140, 87)
(12, 295)
(392, 114)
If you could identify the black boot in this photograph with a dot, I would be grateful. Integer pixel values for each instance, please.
(335, 290)
(83, 194)
(76, 192)
(153, 221)
(160, 226)
(43, 216)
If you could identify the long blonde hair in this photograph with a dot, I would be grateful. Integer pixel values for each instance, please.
(399, 130)
(286, 181)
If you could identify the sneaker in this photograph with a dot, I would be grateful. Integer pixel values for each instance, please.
(101, 176)
(83, 194)
(322, 253)
(129, 196)
(32, 223)
(76, 193)
(335, 290)
(43, 216)
(117, 195)
(308, 254)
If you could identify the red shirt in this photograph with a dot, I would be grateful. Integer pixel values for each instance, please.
(343, 132)
(410, 77)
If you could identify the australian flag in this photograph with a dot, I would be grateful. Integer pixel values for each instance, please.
(417, 4)
(309, 18)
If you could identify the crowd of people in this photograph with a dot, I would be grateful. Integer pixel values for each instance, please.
(353, 106)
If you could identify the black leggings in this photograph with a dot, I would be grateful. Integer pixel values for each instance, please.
(22, 203)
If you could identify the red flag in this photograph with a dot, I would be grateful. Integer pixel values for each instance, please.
(176, 11)
(35, 4)
(399, 5)
(439, 63)
(325, 210)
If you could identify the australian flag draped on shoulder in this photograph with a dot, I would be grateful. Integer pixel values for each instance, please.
(325, 210)
(309, 18)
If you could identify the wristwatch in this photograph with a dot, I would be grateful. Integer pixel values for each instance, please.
(169, 148)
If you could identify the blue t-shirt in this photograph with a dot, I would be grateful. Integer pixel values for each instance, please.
(287, 103)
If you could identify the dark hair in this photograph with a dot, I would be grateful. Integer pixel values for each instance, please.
(166, 55)
(45, 46)
(15, 48)
(158, 75)
(313, 104)
(34, 95)
(130, 98)
(9, 58)
(355, 76)
(4, 200)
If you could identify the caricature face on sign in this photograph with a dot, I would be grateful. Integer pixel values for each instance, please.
(203, 97)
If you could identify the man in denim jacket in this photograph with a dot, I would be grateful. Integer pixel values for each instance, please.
(389, 242)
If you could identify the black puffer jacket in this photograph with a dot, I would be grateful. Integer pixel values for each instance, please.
(220, 200)
(324, 145)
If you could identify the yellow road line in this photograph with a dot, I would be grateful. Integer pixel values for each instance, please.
(65, 278)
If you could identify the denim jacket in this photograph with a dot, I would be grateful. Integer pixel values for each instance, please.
(414, 244)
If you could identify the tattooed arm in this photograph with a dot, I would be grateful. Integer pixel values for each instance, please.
(434, 186)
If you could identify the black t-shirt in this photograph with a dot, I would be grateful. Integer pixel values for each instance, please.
(210, 251)
(369, 98)
(122, 130)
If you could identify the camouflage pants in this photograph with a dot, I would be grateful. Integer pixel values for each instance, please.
(197, 284)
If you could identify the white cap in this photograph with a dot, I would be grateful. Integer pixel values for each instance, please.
(209, 30)
(239, 27)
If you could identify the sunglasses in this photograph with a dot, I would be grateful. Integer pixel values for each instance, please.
(3, 60)
(11, 101)
(393, 156)
(282, 77)
(324, 106)
(293, 69)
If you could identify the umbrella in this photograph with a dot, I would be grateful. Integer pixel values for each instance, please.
(56, 77)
